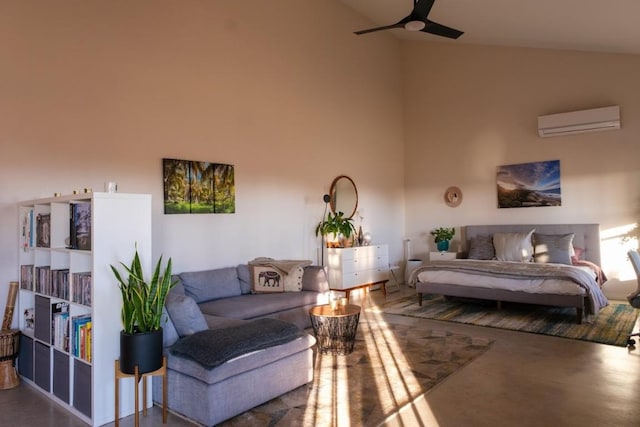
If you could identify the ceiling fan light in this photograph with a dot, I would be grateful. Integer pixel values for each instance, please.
(414, 25)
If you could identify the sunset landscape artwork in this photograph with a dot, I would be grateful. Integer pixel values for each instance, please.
(527, 185)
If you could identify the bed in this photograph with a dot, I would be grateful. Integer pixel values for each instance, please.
(562, 268)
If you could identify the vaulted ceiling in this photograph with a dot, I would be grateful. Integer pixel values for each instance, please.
(587, 25)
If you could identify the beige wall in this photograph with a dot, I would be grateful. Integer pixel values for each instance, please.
(94, 91)
(469, 109)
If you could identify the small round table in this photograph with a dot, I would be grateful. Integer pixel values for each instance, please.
(335, 329)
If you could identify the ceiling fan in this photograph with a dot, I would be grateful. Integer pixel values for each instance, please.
(417, 21)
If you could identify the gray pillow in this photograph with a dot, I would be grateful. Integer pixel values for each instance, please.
(314, 278)
(185, 314)
(554, 248)
(211, 284)
(244, 275)
(481, 247)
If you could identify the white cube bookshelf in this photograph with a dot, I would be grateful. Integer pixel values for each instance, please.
(119, 223)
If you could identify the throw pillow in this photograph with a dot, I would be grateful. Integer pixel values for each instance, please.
(293, 280)
(576, 254)
(513, 246)
(553, 248)
(266, 280)
(185, 314)
(211, 284)
(314, 278)
(481, 247)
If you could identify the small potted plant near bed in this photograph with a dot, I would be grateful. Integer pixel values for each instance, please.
(443, 236)
(337, 229)
(142, 303)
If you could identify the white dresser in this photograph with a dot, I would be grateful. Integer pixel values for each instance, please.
(356, 267)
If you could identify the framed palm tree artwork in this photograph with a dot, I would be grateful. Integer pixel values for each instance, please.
(198, 187)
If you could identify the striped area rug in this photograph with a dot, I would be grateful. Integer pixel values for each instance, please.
(611, 326)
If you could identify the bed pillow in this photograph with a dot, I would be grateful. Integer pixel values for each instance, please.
(513, 246)
(481, 247)
(554, 248)
(576, 254)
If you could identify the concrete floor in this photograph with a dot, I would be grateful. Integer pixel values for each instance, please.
(523, 380)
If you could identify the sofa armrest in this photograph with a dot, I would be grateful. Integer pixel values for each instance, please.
(314, 279)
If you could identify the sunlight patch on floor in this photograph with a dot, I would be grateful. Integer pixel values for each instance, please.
(398, 384)
(338, 399)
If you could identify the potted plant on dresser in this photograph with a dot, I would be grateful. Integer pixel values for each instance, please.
(336, 229)
(443, 236)
(142, 304)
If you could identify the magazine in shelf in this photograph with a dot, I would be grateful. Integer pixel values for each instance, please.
(80, 226)
(27, 229)
(43, 230)
(26, 277)
(29, 318)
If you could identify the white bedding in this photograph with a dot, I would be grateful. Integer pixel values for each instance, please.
(534, 286)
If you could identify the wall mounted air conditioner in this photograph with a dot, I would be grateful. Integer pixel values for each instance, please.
(597, 119)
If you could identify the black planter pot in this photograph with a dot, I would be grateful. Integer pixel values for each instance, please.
(141, 349)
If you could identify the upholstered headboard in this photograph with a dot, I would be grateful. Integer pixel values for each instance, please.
(586, 236)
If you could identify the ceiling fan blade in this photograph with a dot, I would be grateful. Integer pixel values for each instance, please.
(441, 30)
(421, 8)
(386, 27)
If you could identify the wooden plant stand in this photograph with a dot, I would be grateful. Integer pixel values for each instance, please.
(119, 375)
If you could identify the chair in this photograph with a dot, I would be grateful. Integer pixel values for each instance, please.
(634, 298)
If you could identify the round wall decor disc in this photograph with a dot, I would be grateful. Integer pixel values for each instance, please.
(453, 197)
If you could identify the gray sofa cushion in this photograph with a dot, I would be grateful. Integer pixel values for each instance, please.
(211, 284)
(217, 322)
(244, 275)
(257, 305)
(185, 314)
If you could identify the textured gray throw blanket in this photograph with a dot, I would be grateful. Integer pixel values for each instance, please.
(213, 347)
(525, 270)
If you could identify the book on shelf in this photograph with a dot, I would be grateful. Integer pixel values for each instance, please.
(43, 230)
(27, 229)
(26, 277)
(80, 226)
(82, 337)
(60, 283)
(43, 280)
(82, 288)
(60, 325)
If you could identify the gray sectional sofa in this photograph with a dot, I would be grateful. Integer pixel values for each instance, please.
(220, 302)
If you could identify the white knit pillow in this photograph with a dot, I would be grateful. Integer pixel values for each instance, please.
(513, 246)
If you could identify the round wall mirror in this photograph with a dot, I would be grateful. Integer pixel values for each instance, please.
(344, 196)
